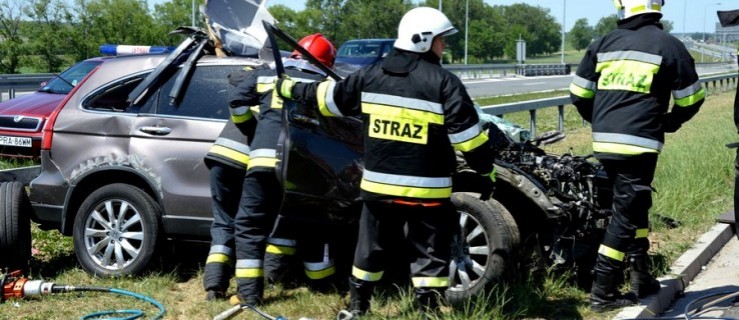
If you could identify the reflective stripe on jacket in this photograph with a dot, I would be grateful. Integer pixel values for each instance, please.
(624, 83)
(415, 114)
(257, 89)
(231, 148)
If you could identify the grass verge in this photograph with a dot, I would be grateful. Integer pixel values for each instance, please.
(694, 183)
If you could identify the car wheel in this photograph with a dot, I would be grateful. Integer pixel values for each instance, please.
(482, 249)
(116, 231)
(15, 227)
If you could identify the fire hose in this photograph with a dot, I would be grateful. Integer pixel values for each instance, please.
(15, 286)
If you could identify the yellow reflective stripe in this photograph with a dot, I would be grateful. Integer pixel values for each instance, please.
(400, 112)
(230, 153)
(471, 144)
(280, 250)
(405, 191)
(249, 273)
(581, 92)
(628, 75)
(430, 282)
(276, 101)
(641, 233)
(366, 275)
(643, 8)
(263, 162)
(242, 118)
(611, 253)
(618, 148)
(323, 106)
(264, 87)
(691, 99)
(320, 274)
(218, 258)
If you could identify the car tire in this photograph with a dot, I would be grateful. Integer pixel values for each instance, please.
(483, 249)
(116, 231)
(15, 227)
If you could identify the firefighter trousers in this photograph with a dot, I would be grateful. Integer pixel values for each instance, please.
(428, 241)
(628, 227)
(260, 202)
(225, 187)
(736, 190)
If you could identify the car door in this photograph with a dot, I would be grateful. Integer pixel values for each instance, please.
(321, 165)
(174, 136)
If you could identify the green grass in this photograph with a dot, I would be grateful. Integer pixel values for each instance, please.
(694, 183)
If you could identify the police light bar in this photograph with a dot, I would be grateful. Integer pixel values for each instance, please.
(122, 49)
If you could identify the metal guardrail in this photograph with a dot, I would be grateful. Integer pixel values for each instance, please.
(712, 84)
(13, 83)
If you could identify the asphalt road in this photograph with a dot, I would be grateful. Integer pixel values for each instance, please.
(497, 86)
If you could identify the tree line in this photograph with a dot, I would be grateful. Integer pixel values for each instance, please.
(50, 35)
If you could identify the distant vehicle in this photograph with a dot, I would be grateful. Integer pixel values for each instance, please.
(363, 52)
(22, 119)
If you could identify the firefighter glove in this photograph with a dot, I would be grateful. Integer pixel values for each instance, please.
(670, 124)
(284, 86)
(487, 185)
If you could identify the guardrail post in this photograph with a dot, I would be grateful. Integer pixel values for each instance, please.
(533, 122)
(11, 93)
(561, 114)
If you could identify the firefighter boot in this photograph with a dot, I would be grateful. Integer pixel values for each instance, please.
(604, 295)
(360, 292)
(428, 301)
(281, 268)
(250, 290)
(642, 283)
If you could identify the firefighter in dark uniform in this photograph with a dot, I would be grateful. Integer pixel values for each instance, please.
(415, 115)
(729, 19)
(227, 161)
(623, 86)
(262, 195)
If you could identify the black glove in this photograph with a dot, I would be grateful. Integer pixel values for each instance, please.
(487, 185)
(669, 124)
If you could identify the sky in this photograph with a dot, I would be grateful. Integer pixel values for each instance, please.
(686, 15)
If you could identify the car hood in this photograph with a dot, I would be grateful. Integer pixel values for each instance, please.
(39, 104)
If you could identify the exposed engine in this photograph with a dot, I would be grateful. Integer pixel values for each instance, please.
(578, 189)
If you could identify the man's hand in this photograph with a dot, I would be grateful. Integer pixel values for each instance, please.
(487, 185)
(284, 86)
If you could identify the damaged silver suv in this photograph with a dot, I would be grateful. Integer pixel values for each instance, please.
(120, 153)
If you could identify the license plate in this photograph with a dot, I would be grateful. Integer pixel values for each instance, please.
(15, 141)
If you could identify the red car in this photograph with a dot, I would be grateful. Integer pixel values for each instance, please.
(22, 119)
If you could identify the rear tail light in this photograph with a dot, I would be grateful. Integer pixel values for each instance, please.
(48, 130)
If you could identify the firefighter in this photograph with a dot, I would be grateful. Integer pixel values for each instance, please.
(227, 161)
(262, 194)
(622, 87)
(729, 19)
(415, 115)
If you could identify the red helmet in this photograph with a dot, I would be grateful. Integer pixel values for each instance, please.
(319, 47)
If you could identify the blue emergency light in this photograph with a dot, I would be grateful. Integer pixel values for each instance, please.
(122, 49)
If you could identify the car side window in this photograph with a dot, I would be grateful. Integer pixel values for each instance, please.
(113, 96)
(386, 48)
(205, 95)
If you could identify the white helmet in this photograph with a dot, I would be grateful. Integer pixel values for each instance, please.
(630, 8)
(419, 26)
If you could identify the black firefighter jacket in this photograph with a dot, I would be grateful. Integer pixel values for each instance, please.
(415, 115)
(624, 83)
(256, 89)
